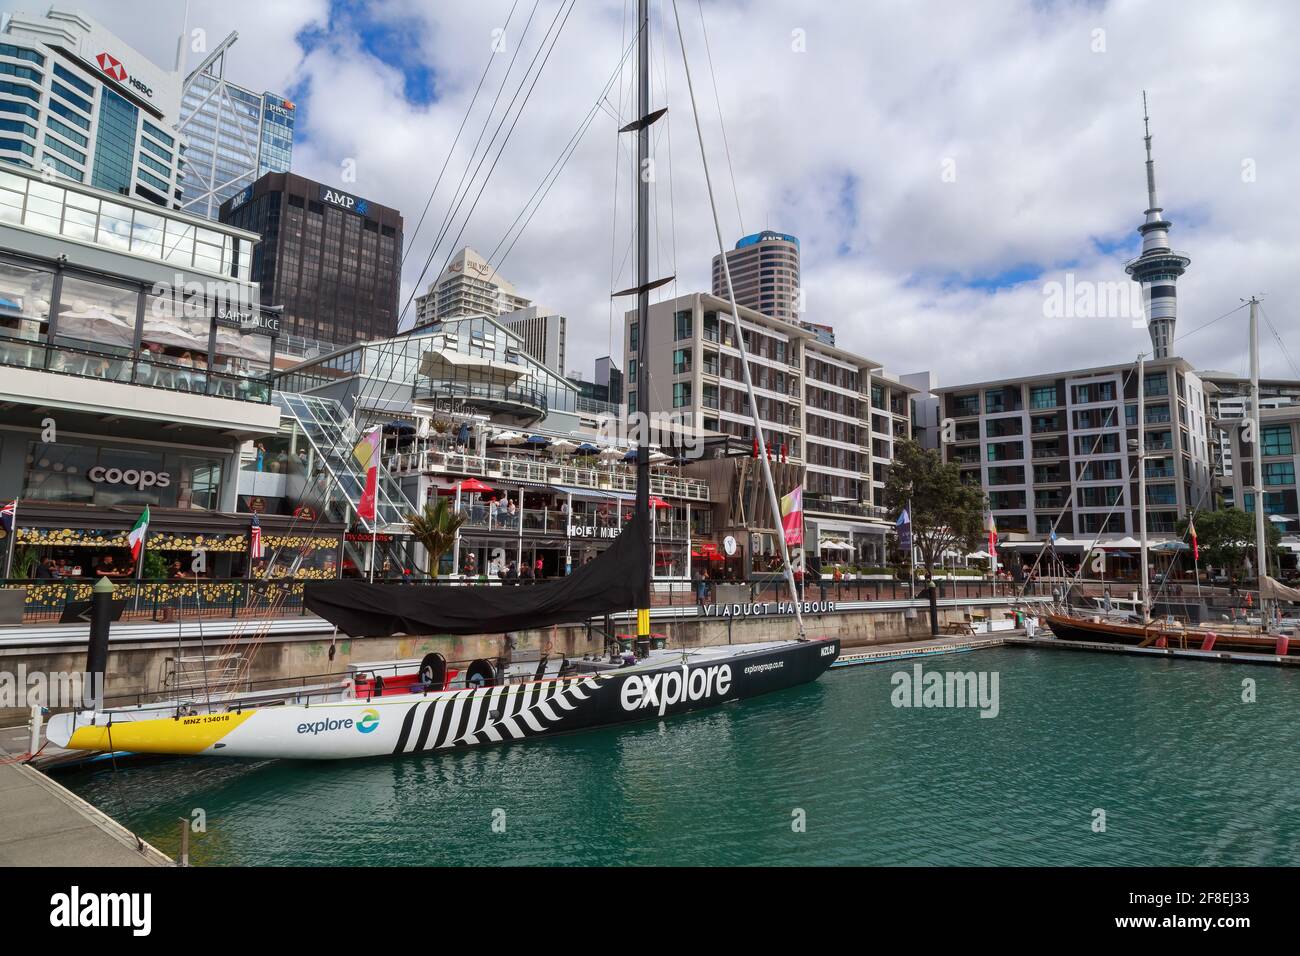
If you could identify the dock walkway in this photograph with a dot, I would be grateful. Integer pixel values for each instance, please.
(44, 824)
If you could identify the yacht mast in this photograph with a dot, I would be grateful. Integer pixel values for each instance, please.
(1256, 439)
(1142, 484)
(643, 303)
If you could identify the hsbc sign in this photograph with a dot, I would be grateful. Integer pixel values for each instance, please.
(113, 67)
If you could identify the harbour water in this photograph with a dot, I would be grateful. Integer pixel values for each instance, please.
(1185, 771)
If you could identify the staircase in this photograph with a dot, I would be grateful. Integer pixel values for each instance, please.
(339, 481)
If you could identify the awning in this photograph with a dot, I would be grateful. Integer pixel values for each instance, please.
(583, 492)
(447, 363)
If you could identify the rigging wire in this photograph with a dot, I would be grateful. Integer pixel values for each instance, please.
(718, 100)
(764, 464)
(455, 140)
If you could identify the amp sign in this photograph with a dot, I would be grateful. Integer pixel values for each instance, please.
(342, 200)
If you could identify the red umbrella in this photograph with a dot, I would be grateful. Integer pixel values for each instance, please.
(473, 484)
(658, 503)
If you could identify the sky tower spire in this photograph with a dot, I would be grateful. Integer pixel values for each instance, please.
(1158, 267)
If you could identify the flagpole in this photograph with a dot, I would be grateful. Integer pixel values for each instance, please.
(13, 537)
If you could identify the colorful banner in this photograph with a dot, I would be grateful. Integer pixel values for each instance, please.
(792, 516)
(367, 455)
(904, 528)
(136, 537)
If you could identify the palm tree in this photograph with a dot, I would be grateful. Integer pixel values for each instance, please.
(435, 528)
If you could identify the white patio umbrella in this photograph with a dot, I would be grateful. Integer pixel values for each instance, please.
(657, 456)
(562, 446)
(612, 454)
(97, 325)
(507, 438)
(979, 555)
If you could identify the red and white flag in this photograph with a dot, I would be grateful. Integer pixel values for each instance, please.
(1196, 546)
(137, 534)
(255, 539)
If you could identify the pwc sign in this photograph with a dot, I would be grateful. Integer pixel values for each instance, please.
(112, 66)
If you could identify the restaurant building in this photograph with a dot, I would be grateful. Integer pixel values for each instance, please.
(135, 366)
(535, 467)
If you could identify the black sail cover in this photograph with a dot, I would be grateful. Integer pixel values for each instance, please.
(613, 581)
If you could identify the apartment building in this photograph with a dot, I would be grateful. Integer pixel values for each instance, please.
(1279, 430)
(1023, 440)
(833, 412)
(1229, 397)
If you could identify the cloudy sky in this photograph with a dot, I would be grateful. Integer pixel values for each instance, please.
(941, 162)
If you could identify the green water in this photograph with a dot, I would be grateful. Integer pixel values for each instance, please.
(1186, 772)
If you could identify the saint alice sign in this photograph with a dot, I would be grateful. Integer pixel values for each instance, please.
(766, 608)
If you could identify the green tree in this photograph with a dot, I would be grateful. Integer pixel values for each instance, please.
(435, 527)
(946, 513)
(1227, 537)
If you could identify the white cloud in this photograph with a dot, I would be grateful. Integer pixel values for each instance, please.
(842, 145)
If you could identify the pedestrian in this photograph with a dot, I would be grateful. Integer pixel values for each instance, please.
(261, 456)
(701, 589)
(512, 574)
(539, 571)
(525, 573)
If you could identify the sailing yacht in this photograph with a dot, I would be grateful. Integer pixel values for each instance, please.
(1142, 631)
(497, 704)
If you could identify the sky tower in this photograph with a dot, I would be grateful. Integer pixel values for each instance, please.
(1158, 267)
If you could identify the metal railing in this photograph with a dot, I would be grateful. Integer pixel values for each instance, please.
(121, 367)
(612, 477)
(158, 600)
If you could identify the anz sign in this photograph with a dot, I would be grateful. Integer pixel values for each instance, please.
(342, 200)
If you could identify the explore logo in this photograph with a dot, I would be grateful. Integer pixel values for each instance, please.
(369, 721)
(673, 687)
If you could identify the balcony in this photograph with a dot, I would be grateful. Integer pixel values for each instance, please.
(599, 522)
(525, 405)
(847, 509)
(616, 477)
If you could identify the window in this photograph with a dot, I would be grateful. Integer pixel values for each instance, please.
(682, 325)
(1279, 473)
(20, 89)
(71, 97)
(1042, 396)
(65, 74)
(681, 394)
(1277, 440)
(96, 316)
(681, 361)
(631, 401)
(20, 53)
(634, 337)
(9, 106)
(24, 301)
(69, 114)
(66, 131)
(961, 404)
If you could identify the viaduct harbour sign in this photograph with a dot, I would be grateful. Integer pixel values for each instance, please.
(767, 608)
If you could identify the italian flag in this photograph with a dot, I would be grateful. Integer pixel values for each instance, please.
(136, 537)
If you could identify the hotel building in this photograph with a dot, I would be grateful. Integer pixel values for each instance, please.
(468, 286)
(77, 100)
(1028, 441)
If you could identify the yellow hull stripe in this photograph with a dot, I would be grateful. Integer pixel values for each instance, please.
(167, 735)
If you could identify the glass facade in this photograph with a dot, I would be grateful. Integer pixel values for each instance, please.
(235, 136)
(106, 476)
(115, 143)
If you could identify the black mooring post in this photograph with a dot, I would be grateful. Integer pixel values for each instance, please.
(101, 615)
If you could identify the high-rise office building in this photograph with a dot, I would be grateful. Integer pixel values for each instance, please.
(331, 259)
(765, 273)
(543, 333)
(468, 286)
(76, 99)
(234, 134)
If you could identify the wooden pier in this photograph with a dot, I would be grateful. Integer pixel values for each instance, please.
(1230, 657)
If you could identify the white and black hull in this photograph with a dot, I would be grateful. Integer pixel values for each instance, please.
(664, 685)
